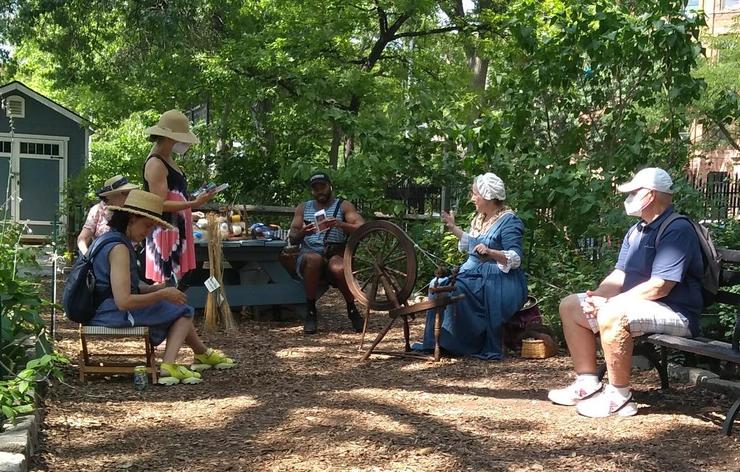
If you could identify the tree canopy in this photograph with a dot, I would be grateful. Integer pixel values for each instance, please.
(560, 98)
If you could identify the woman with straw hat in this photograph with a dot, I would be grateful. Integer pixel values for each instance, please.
(113, 192)
(171, 252)
(128, 302)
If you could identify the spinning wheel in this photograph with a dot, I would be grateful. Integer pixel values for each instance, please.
(381, 265)
(380, 269)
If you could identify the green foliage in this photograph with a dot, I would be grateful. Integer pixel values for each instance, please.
(560, 271)
(724, 234)
(17, 395)
(591, 70)
(563, 100)
(579, 93)
(719, 107)
(23, 336)
(120, 150)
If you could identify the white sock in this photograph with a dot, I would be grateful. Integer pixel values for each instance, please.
(589, 380)
(623, 392)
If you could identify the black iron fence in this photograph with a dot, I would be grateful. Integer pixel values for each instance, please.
(720, 195)
(416, 199)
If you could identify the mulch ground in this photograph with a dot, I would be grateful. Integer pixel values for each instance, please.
(306, 403)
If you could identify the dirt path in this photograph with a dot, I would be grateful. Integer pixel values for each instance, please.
(306, 404)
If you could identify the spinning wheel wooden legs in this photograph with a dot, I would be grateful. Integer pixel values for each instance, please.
(438, 304)
(380, 269)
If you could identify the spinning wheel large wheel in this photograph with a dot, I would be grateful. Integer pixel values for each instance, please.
(380, 265)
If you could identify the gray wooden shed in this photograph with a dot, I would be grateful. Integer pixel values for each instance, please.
(42, 144)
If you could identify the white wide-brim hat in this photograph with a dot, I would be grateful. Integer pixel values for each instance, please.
(652, 178)
(115, 184)
(175, 125)
(142, 203)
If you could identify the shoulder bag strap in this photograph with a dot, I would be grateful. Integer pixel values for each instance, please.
(336, 211)
(664, 225)
(103, 241)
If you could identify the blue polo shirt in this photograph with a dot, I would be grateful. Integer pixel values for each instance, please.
(677, 258)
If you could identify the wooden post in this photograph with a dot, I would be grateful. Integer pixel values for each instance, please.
(437, 331)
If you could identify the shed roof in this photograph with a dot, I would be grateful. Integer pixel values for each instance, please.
(61, 109)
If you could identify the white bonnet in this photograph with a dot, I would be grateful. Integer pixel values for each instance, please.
(490, 186)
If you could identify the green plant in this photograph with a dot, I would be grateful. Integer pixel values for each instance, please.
(23, 339)
(17, 395)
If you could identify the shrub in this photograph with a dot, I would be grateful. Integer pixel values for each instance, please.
(25, 354)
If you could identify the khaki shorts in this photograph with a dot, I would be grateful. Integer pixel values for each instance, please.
(649, 317)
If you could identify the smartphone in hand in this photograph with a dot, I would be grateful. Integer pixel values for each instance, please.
(210, 188)
(320, 219)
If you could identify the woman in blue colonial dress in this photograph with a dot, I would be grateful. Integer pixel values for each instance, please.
(492, 279)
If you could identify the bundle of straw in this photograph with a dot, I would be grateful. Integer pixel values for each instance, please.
(217, 306)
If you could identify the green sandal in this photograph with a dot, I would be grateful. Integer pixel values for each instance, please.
(173, 374)
(212, 358)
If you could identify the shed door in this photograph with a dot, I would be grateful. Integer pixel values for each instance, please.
(7, 209)
(41, 173)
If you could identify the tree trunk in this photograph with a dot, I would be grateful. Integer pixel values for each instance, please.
(386, 35)
(477, 65)
(336, 138)
(349, 145)
(478, 68)
(260, 111)
(224, 143)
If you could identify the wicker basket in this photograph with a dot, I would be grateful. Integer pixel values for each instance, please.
(537, 349)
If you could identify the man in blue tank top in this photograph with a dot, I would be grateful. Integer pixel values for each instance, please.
(321, 227)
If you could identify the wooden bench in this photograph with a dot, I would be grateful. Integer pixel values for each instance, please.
(722, 351)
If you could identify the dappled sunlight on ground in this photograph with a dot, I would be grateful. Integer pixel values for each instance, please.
(308, 403)
(296, 352)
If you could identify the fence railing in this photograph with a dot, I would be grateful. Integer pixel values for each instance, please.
(278, 215)
(721, 195)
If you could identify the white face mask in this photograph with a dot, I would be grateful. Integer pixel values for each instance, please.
(633, 204)
(180, 148)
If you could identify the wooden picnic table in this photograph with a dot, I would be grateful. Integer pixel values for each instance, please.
(262, 280)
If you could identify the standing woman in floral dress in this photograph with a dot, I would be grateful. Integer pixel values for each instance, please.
(114, 192)
(171, 251)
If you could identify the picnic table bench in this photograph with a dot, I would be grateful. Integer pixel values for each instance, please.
(261, 280)
(722, 351)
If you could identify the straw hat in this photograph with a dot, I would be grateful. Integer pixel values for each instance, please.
(175, 125)
(115, 184)
(146, 204)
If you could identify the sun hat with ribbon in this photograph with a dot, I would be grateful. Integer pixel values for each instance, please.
(142, 203)
(175, 125)
(115, 184)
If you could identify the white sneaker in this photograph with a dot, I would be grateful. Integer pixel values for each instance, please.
(573, 393)
(607, 403)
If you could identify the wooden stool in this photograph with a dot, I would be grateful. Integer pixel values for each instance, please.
(89, 367)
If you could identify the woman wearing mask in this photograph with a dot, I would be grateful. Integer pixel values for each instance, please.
(171, 252)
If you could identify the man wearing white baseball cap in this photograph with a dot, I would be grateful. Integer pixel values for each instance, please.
(655, 287)
(652, 178)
